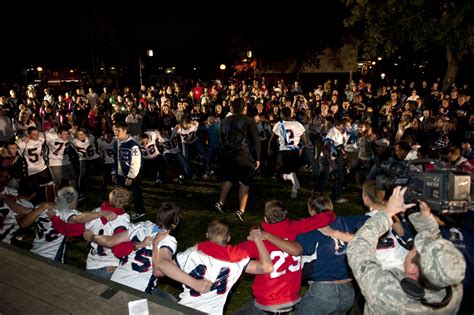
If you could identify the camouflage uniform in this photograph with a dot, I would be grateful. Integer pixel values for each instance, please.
(442, 264)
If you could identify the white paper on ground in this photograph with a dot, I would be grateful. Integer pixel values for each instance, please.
(138, 307)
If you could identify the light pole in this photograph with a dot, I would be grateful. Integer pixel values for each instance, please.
(39, 69)
(222, 67)
(149, 53)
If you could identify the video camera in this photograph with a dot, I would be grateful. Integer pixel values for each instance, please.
(444, 190)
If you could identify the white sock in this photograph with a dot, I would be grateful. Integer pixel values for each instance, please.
(294, 180)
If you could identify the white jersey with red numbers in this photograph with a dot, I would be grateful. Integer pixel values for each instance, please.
(86, 149)
(390, 253)
(223, 275)
(99, 256)
(169, 141)
(107, 150)
(57, 149)
(8, 224)
(189, 135)
(33, 153)
(289, 134)
(48, 242)
(136, 270)
(150, 150)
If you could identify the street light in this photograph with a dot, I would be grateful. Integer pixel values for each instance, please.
(149, 53)
(39, 69)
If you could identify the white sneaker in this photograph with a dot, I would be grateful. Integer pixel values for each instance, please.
(341, 200)
(294, 193)
(294, 180)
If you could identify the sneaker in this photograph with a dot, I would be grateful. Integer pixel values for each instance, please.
(341, 200)
(294, 180)
(135, 216)
(240, 215)
(219, 207)
(294, 193)
(158, 181)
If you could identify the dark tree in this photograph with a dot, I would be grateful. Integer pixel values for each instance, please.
(388, 25)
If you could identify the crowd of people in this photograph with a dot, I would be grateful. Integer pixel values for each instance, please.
(53, 144)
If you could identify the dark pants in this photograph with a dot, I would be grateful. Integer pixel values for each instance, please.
(338, 172)
(136, 192)
(85, 169)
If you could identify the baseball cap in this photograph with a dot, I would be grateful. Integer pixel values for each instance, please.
(441, 263)
(384, 142)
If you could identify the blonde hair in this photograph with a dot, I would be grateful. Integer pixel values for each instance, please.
(218, 232)
(119, 197)
(369, 188)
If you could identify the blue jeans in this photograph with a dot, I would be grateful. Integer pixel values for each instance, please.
(100, 272)
(251, 309)
(327, 298)
(338, 172)
(195, 147)
(309, 152)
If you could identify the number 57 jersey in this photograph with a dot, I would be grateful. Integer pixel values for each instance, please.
(223, 274)
(135, 270)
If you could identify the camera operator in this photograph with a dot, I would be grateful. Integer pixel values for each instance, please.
(434, 268)
(462, 238)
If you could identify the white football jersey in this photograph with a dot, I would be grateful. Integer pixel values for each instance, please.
(107, 149)
(389, 252)
(48, 242)
(150, 150)
(99, 256)
(136, 270)
(86, 149)
(8, 224)
(57, 149)
(189, 135)
(223, 275)
(170, 143)
(33, 153)
(289, 134)
(335, 135)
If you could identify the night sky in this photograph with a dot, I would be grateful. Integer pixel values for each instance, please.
(183, 35)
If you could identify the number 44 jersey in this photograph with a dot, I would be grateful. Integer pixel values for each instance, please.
(223, 274)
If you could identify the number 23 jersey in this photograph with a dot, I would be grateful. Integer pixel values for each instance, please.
(281, 287)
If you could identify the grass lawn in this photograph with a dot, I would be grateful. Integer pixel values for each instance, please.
(196, 199)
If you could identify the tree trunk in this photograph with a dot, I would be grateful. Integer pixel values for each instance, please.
(451, 70)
